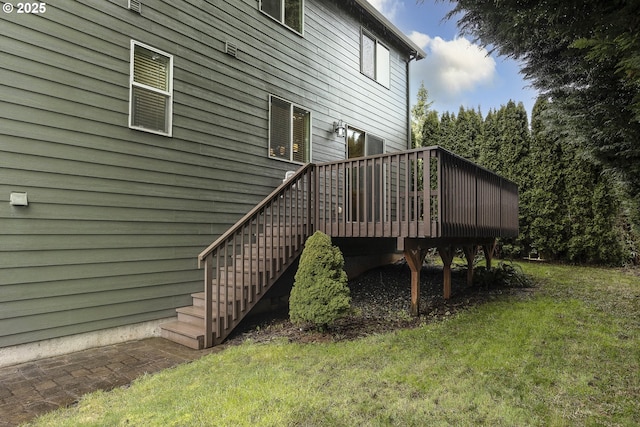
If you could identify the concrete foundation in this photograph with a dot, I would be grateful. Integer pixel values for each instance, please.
(64, 345)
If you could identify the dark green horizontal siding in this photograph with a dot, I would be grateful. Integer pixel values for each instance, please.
(116, 217)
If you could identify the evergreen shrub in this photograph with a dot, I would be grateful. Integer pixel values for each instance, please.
(320, 294)
(505, 275)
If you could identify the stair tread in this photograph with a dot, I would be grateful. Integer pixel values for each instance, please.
(193, 310)
(182, 328)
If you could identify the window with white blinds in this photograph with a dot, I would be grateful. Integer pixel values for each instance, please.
(289, 131)
(375, 60)
(151, 94)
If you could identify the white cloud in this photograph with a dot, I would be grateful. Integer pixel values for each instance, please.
(387, 7)
(452, 67)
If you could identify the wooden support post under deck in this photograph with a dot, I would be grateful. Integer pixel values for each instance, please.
(489, 249)
(470, 252)
(446, 253)
(415, 258)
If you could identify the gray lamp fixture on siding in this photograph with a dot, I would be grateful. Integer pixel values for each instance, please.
(338, 128)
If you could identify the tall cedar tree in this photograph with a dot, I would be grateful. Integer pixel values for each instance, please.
(548, 197)
(505, 151)
(590, 205)
(419, 113)
(431, 133)
(585, 55)
(568, 205)
(470, 133)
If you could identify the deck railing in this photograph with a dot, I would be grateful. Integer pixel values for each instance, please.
(475, 202)
(422, 193)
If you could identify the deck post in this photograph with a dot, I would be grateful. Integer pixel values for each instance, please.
(470, 252)
(446, 254)
(208, 301)
(489, 249)
(415, 258)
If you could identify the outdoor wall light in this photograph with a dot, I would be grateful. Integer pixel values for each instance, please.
(338, 129)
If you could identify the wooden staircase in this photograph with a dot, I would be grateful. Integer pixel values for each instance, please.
(244, 263)
(423, 198)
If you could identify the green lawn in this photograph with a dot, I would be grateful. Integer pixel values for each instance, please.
(567, 354)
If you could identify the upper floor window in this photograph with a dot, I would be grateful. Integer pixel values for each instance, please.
(287, 12)
(289, 131)
(375, 59)
(151, 89)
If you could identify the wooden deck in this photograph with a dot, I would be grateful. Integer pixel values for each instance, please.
(424, 198)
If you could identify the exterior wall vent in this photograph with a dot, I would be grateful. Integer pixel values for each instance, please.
(135, 6)
(231, 49)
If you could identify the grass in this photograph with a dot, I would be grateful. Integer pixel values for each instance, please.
(569, 354)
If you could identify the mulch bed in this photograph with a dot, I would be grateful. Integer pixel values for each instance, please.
(380, 303)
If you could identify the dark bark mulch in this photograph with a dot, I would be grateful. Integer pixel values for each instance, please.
(380, 303)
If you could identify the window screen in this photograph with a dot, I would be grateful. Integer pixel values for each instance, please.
(301, 137)
(280, 130)
(368, 56)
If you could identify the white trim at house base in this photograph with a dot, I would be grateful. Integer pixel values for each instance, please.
(64, 345)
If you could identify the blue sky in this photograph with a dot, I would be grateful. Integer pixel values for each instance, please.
(456, 72)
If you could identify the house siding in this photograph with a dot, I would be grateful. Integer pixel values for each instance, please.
(116, 217)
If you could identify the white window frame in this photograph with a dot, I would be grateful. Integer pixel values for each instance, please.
(381, 59)
(292, 106)
(282, 21)
(166, 93)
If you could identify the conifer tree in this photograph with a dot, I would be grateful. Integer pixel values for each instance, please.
(548, 199)
(574, 205)
(419, 114)
(431, 132)
(469, 134)
(487, 156)
(586, 56)
(320, 294)
(448, 131)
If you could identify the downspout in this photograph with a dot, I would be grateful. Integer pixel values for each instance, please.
(408, 94)
(412, 56)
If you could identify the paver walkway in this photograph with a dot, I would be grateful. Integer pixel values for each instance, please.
(34, 388)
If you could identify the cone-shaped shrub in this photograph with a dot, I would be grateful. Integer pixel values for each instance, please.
(320, 294)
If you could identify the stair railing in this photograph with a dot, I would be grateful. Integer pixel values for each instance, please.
(247, 259)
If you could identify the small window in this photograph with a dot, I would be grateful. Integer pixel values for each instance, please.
(287, 12)
(151, 89)
(289, 131)
(375, 60)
